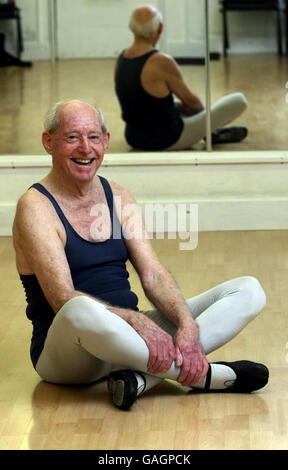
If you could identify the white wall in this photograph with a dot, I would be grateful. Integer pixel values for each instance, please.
(98, 28)
(249, 32)
(107, 34)
(35, 30)
(94, 28)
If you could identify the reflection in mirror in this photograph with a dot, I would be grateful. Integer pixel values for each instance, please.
(253, 66)
(92, 34)
(82, 35)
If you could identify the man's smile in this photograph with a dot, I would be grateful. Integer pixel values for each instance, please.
(82, 161)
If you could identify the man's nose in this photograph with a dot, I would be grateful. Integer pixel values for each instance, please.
(85, 145)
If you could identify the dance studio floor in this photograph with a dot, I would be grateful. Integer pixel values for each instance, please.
(39, 416)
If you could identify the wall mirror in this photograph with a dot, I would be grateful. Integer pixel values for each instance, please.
(73, 53)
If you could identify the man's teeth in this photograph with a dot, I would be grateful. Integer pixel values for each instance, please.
(79, 160)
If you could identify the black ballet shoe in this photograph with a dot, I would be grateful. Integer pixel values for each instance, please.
(123, 386)
(250, 376)
(229, 135)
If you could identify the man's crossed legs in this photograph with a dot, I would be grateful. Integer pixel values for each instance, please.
(87, 342)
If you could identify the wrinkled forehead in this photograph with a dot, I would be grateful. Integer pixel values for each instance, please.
(79, 116)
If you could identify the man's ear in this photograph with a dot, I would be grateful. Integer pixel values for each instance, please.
(106, 141)
(46, 141)
(158, 34)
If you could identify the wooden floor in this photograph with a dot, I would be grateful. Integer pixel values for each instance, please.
(38, 416)
(27, 93)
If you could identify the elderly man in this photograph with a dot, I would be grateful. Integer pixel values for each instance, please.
(145, 82)
(71, 254)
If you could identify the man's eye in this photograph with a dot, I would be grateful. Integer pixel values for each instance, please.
(95, 138)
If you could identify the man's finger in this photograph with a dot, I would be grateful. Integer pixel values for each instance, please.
(179, 357)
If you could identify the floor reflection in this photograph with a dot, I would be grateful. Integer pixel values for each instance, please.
(27, 93)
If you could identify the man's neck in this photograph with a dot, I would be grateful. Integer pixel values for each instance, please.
(140, 46)
(70, 189)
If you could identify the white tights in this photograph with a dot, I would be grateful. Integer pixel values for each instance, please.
(86, 341)
(225, 110)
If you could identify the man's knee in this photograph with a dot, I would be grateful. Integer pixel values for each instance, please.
(254, 295)
(241, 100)
(84, 313)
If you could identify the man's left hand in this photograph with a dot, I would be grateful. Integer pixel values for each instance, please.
(190, 356)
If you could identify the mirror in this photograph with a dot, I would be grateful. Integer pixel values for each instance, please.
(91, 29)
(254, 67)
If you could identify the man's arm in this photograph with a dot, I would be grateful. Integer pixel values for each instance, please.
(162, 290)
(189, 104)
(39, 246)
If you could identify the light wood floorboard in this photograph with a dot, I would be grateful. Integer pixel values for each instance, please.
(39, 416)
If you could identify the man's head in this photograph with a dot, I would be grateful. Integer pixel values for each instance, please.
(76, 136)
(146, 22)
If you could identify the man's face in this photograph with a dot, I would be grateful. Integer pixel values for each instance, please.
(78, 145)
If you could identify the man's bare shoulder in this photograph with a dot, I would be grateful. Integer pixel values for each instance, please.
(164, 61)
(33, 205)
(31, 199)
(121, 191)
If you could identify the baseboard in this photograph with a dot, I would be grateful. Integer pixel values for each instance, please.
(196, 60)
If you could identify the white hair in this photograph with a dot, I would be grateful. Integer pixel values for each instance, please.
(150, 27)
(52, 118)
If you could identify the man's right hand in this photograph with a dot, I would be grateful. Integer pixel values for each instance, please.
(160, 344)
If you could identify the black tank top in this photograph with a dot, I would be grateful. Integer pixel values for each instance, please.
(151, 123)
(97, 268)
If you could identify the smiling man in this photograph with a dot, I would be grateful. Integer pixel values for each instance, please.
(86, 321)
(76, 137)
